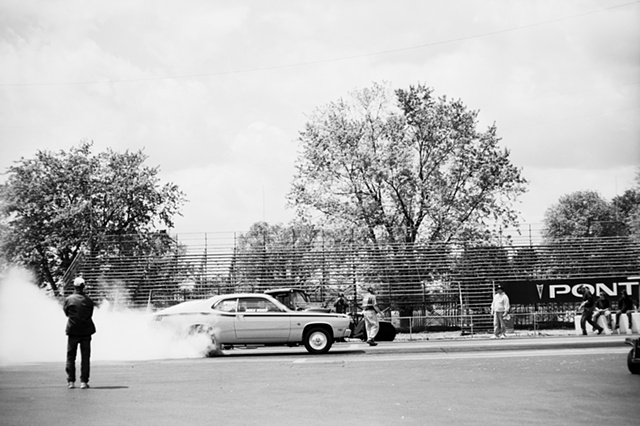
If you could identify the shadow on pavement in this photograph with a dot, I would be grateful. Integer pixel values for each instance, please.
(106, 388)
(265, 352)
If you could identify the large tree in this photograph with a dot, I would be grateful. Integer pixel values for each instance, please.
(570, 226)
(397, 168)
(56, 205)
(405, 167)
(269, 256)
(580, 214)
(627, 209)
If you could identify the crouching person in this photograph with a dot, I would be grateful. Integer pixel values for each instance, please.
(603, 307)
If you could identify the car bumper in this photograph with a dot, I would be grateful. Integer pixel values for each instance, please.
(342, 333)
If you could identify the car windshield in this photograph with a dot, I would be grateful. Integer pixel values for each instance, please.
(300, 300)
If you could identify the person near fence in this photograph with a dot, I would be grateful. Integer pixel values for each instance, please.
(370, 311)
(587, 307)
(80, 327)
(499, 309)
(341, 304)
(603, 307)
(625, 306)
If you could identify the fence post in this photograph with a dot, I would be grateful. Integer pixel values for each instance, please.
(410, 328)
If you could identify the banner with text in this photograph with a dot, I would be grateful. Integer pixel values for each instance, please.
(566, 291)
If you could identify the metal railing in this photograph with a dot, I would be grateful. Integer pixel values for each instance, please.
(421, 327)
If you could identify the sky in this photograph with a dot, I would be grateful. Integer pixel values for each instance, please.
(216, 92)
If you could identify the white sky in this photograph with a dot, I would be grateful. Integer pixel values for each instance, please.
(215, 92)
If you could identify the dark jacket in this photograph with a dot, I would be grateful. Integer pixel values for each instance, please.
(625, 303)
(589, 301)
(603, 304)
(340, 305)
(79, 309)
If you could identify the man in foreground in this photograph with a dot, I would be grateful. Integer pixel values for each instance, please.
(80, 327)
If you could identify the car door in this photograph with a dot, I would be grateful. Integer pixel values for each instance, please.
(259, 320)
(225, 320)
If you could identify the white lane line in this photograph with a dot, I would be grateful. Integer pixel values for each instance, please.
(485, 355)
(428, 356)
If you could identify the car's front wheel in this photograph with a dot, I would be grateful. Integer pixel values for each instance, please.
(317, 340)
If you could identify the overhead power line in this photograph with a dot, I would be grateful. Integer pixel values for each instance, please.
(328, 60)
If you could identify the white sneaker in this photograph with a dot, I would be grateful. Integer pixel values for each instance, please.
(84, 385)
(493, 336)
(502, 336)
(71, 385)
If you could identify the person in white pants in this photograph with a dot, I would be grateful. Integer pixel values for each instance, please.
(499, 308)
(371, 320)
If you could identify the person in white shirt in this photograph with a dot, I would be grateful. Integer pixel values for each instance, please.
(499, 308)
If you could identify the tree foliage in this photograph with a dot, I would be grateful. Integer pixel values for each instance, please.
(588, 214)
(580, 214)
(57, 205)
(270, 256)
(404, 168)
(627, 209)
(400, 168)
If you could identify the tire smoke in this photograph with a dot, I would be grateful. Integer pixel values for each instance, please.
(32, 328)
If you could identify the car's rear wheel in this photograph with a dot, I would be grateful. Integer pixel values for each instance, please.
(386, 332)
(317, 340)
(212, 349)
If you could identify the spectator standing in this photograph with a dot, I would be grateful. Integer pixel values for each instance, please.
(370, 312)
(341, 304)
(587, 307)
(603, 307)
(625, 306)
(499, 308)
(80, 327)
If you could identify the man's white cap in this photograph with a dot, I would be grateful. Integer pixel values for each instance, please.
(78, 282)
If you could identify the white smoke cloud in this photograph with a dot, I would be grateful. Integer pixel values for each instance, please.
(31, 324)
(32, 329)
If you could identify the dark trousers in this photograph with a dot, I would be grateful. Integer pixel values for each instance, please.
(619, 313)
(587, 317)
(85, 353)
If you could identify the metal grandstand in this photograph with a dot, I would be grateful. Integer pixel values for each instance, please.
(446, 285)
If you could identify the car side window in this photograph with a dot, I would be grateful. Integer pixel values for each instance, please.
(255, 304)
(227, 305)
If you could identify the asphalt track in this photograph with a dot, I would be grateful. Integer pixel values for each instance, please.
(541, 380)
